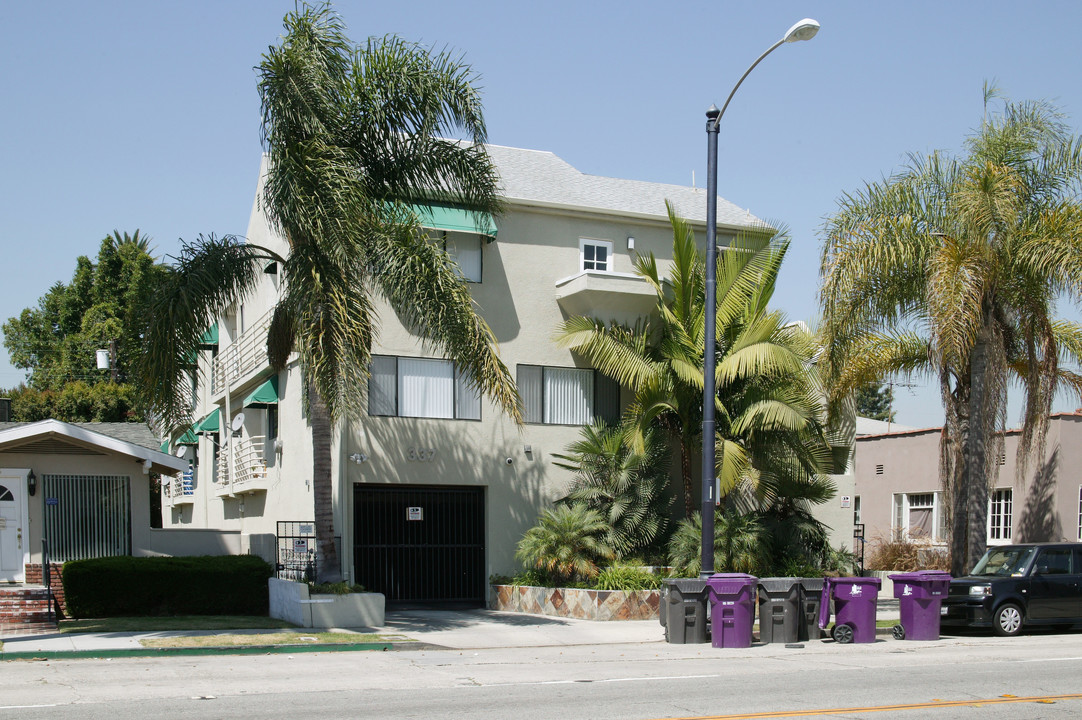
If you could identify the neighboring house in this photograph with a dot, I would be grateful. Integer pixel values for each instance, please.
(434, 487)
(85, 488)
(897, 480)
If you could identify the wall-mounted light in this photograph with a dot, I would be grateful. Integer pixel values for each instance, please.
(630, 243)
(527, 449)
(147, 464)
(31, 483)
(358, 458)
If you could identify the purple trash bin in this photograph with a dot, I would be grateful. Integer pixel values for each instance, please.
(732, 609)
(919, 597)
(854, 608)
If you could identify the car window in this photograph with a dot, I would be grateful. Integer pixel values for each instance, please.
(1054, 561)
(1004, 562)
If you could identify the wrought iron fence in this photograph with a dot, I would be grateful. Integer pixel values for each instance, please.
(295, 558)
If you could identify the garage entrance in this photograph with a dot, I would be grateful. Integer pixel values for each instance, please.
(419, 543)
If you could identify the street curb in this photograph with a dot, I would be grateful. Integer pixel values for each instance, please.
(226, 650)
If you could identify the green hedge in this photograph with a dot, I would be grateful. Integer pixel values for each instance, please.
(127, 586)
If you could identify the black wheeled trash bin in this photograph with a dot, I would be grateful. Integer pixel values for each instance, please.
(683, 611)
(779, 610)
(811, 593)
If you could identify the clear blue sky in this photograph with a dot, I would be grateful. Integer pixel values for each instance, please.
(125, 114)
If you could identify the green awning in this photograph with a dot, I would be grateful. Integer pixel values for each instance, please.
(188, 438)
(209, 423)
(453, 219)
(164, 447)
(210, 338)
(265, 394)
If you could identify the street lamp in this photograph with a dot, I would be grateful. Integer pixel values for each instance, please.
(803, 30)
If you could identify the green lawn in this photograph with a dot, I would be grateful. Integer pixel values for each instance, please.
(173, 622)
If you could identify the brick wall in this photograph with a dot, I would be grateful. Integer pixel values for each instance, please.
(33, 577)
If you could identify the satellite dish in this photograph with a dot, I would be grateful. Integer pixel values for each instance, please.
(238, 422)
(181, 451)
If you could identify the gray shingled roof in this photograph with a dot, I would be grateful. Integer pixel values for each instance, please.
(539, 177)
(134, 433)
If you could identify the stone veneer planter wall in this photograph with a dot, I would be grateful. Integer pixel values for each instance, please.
(576, 603)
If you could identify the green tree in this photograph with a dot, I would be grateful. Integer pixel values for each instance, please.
(628, 488)
(56, 342)
(953, 267)
(354, 136)
(874, 402)
(768, 397)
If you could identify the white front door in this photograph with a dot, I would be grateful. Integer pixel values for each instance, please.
(14, 540)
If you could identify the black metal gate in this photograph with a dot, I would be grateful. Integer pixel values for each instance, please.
(296, 553)
(420, 544)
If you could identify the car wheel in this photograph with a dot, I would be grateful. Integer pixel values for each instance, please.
(1007, 621)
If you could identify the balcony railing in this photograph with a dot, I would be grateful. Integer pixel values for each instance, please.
(244, 355)
(179, 489)
(249, 471)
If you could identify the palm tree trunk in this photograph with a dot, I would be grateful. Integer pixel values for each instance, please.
(328, 568)
(976, 453)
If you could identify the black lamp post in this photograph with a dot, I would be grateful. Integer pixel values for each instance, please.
(803, 30)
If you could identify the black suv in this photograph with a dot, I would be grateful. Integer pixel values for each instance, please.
(1016, 585)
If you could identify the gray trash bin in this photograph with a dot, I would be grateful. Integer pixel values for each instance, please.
(811, 593)
(780, 606)
(683, 611)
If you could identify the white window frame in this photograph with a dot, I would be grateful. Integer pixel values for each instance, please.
(903, 503)
(539, 410)
(472, 272)
(1000, 516)
(594, 243)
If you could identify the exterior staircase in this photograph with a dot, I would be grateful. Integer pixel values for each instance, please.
(24, 610)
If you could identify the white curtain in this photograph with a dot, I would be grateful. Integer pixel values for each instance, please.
(426, 388)
(569, 394)
(466, 250)
(381, 386)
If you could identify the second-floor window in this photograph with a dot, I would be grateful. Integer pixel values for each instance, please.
(466, 251)
(595, 255)
(567, 396)
(421, 387)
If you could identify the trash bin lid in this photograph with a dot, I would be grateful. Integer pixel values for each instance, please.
(686, 585)
(856, 581)
(780, 584)
(731, 583)
(921, 576)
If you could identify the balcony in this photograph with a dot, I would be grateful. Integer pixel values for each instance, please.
(606, 295)
(249, 471)
(179, 489)
(244, 356)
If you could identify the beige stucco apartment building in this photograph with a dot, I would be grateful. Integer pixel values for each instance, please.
(434, 487)
(899, 493)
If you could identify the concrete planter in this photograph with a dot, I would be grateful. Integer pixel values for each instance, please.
(290, 601)
(576, 603)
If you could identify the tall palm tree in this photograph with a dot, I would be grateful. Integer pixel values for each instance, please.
(354, 137)
(953, 267)
(768, 405)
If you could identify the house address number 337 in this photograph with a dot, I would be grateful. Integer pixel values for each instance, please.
(416, 454)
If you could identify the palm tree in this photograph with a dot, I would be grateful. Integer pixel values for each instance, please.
(628, 488)
(768, 405)
(354, 137)
(567, 543)
(953, 267)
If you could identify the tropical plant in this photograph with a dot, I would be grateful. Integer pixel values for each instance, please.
(567, 543)
(628, 488)
(354, 136)
(627, 578)
(768, 400)
(953, 267)
(741, 544)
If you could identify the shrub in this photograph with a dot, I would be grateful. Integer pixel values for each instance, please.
(627, 578)
(336, 588)
(155, 586)
(906, 556)
(740, 545)
(567, 543)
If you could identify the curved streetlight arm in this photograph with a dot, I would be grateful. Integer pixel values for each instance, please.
(747, 72)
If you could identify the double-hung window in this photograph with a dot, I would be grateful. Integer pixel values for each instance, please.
(1000, 515)
(421, 387)
(567, 396)
(920, 516)
(595, 255)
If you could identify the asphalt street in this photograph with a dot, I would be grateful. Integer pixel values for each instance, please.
(1034, 676)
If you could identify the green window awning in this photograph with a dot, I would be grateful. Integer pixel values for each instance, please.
(265, 394)
(164, 447)
(210, 338)
(188, 438)
(209, 423)
(453, 219)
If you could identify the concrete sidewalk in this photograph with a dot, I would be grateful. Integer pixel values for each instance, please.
(452, 629)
